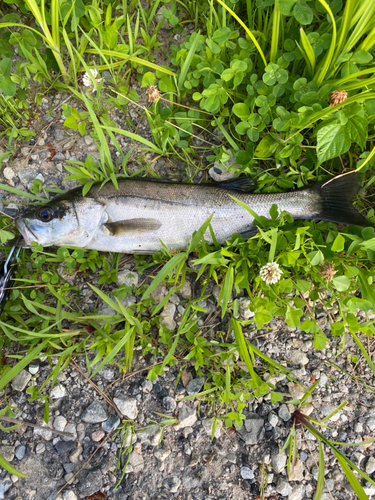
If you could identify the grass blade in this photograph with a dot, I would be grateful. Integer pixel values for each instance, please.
(309, 51)
(276, 20)
(358, 490)
(325, 65)
(187, 62)
(320, 480)
(175, 261)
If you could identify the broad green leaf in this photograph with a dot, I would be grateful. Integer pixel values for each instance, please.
(148, 79)
(292, 317)
(286, 8)
(303, 13)
(341, 283)
(357, 128)
(266, 147)
(262, 316)
(338, 244)
(275, 397)
(241, 110)
(221, 35)
(333, 140)
(320, 341)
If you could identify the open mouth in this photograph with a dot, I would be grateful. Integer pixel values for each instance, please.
(27, 235)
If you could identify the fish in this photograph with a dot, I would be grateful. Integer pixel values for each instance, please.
(143, 214)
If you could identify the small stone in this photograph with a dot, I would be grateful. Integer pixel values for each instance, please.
(185, 378)
(284, 413)
(169, 404)
(136, 462)
(273, 419)
(296, 471)
(371, 423)
(147, 386)
(208, 427)
(252, 430)
(187, 416)
(128, 278)
(159, 293)
(20, 451)
(69, 495)
(278, 462)
(94, 414)
(111, 424)
(295, 390)
(59, 423)
(44, 431)
(33, 368)
(57, 392)
(40, 448)
(195, 385)
(283, 487)
(92, 483)
(247, 473)
(88, 140)
(27, 175)
(172, 483)
(297, 358)
(5, 485)
(244, 308)
(127, 406)
(71, 428)
(74, 456)
(185, 291)
(166, 317)
(8, 173)
(220, 174)
(7, 451)
(150, 435)
(97, 436)
(162, 454)
(21, 380)
(297, 493)
(64, 447)
(370, 466)
(107, 373)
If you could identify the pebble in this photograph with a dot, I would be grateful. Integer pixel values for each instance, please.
(296, 471)
(273, 419)
(187, 416)
(370, 466)
(150, 435)
(162, 454)
(8, 173)
(172, 483)
(97, 436)
(220, 174)
(21, 380)
(44, 431)
(297, 358)
(297, 493)
(208, 427)
(166, 317)
(128, 278)
(71, 428)
(94, 414)
(127, 406)
(92, 483)
(7, 451)
(159, 293)
(169, 404)
(27, 175)
(247, 473)
(295, 390)
(57, 392)
(69, 495)
(136, 462)
(252, 430)
(59, 423)
(371, 423)
(195, 385)
(33, 368)
(283, 487)
(107, 373)
(20, 451)
(185, 290)
(40, 448)
(64, 447)
(278, 462)
(111, 424)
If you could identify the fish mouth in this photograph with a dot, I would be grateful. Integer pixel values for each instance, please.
(26, 233)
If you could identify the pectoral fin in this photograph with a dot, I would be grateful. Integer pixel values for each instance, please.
(132, 226)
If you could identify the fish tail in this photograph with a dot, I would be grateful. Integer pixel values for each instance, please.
(336, 198)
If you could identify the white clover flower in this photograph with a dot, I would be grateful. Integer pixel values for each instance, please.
(86, 79)
(270, 273)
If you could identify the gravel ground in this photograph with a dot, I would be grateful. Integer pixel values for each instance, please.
(178, 460)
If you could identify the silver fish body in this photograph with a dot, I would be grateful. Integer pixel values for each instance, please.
(141, 214)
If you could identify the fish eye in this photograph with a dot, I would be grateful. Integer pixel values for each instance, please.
(45, 214)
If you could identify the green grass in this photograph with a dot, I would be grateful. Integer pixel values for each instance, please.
(272, 110)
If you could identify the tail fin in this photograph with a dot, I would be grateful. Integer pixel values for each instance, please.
(336, 197)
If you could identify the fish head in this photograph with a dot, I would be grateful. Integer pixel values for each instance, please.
(66, 220)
